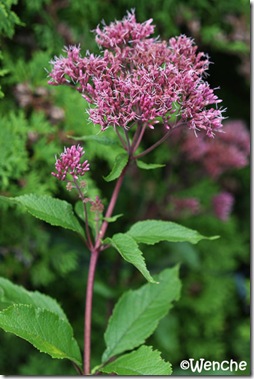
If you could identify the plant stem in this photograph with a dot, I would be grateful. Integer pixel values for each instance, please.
(121, 139)
(91, 273)
(136, 135)
(156, 144)
(139, 139)
(97, 247)
(128, 141)
(166, 135)
(82, 198)
(88, 310)
(110, 207)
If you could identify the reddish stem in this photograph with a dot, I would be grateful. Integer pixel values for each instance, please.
(91, 273)
(110, 207)
(88, 311)
(159, 142)
(97, 247)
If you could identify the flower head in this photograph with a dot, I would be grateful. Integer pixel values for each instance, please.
(137, 78)
(69, 163)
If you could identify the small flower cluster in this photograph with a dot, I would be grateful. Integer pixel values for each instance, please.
(222, 205)
(69, 163)
(96, 205)
(120, 33)
(229, 150)
(141, 79)
(185, 206)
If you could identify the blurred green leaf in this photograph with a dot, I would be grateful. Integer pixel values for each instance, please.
(113, 218)
(99, 139)
(148, 166)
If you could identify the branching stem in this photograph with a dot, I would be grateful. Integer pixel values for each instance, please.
(111, 207)
(98, 246)
(95, 250)
(158, 143)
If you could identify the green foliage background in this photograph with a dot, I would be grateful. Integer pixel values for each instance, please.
(211, 320)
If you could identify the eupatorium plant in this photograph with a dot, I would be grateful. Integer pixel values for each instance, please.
(136, 84)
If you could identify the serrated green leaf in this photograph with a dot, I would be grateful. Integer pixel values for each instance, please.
(13, 294)
(148, 166)
(128, 249)
(137, 313)
(120, 162)
(154, 231)
(144, 361)
(53, 211)
(43, 329)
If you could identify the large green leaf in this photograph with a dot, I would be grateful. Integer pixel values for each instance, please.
(53, 211)
(43, 329)
(13, 294)
(120, 162)
(144, 361)
(137, 313)
(128, 248)
(154, 231)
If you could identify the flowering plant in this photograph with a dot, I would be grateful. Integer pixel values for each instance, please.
(137, 84)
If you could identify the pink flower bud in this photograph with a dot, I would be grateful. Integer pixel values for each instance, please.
(69, 163)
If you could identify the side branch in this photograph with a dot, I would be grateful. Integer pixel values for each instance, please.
(158, 143)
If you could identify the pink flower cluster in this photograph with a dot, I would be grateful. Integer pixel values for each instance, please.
(222, 205)
(228, 151)
(69, 163)
(137, 78)
(185, 206)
